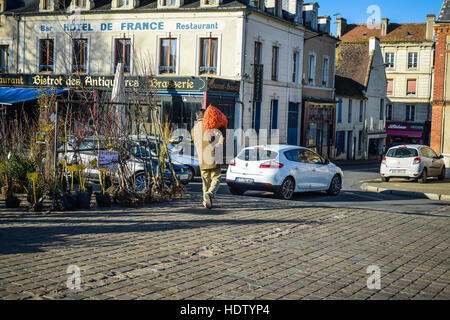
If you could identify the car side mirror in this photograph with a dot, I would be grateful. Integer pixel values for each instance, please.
(326, 162)
(441, 157)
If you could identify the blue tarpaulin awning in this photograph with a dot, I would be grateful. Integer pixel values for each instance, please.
(15, 95)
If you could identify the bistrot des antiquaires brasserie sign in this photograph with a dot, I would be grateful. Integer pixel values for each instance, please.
(163, 84)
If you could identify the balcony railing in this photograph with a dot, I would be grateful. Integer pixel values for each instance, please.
(45, 67)
(208, 70)
(167, 69)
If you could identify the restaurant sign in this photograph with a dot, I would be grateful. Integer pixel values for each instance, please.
(401, 126)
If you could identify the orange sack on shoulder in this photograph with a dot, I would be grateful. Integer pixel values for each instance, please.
(214, 118)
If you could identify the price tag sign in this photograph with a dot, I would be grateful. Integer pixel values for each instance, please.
(108, 160)
(40, 137)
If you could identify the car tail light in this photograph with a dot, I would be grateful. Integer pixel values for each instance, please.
(384, 161)
(271, 165)
(417, 161)
(233, 163)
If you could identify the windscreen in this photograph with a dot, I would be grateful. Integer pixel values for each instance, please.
(402, 153)
(257, 155)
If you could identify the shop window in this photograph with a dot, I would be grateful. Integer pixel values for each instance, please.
(275, 51)
(168, 56)
(122, 54)
(4, 59)
(389, 87)
(411, 87)
(410, 113)
(79, 55)
(208, 56)
(46, 55)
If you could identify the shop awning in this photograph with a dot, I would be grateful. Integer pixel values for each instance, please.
(15, 95)
(404, 133)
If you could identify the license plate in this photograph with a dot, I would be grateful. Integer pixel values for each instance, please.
(183, 176)
(244, 180)
(398, 171)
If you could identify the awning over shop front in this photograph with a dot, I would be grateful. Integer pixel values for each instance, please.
(15, 95)
(404, 133)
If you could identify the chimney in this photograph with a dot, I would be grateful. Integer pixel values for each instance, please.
(384, 26)
(430, 24)
(374, 42)
(295, 8)
(324, 24)
(341, 26)
(310, 15)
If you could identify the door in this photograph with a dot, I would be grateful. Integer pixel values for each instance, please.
(320, 177)
(349, 145)
(301, 170)
(293, 124)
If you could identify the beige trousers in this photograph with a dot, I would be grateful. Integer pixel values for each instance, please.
(211, 181)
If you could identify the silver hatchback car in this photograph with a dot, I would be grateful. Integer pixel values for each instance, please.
(412, 162)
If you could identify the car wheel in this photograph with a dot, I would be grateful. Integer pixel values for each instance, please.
(442, 175)
(385, 179)
(236, 191)
(141, 182)
(286, 190)
(335, 186)
(423, 177)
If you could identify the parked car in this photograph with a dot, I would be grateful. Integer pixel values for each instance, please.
(282, 169)
(137, 164)
(412, 162)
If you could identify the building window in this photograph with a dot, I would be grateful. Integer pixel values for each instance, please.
(274, 115)
(165, 3)
(168, 56)
(361, 111)
(46, 55)
(312, 69)
(390, 87)
(389, 60)
(350, 110)
(381, 109)
(389, 112)
(79, 55)
(295, 67)
(411, 87)
(46, 4)
(275, 63)
(412, 60)
(258, 47)
(208, 56)
(4, 59)
(123, 3)
(410, 112)
(123, 53)
(339, 118)
(80, 3)
(325, 72)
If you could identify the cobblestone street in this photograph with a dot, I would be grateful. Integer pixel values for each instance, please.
(247, 248)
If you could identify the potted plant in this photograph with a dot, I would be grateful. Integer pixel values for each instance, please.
(11, 200)
(83, 197)
(103, 199)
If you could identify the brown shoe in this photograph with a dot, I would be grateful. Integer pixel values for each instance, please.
(208, 201)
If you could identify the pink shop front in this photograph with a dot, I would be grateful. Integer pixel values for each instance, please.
(400, 133)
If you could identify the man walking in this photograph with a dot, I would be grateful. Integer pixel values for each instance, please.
(209, 166)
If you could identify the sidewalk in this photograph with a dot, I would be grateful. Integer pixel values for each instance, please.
(347, 163)
(433, 189)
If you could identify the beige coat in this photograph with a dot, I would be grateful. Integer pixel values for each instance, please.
(205, 150)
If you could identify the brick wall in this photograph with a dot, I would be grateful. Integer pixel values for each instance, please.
(442, 31)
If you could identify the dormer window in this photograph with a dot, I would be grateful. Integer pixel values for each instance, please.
(123, 3)
(168, 3)
(209, 2)
(46, 5)
(80, 3)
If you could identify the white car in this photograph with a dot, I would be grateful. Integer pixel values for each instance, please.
(284, 170)
(413, 162)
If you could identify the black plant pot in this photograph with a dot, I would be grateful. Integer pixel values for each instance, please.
(83, 200)
(37, 207)
(67, 202)
(12, 202)
(103, 200)
(74, 200)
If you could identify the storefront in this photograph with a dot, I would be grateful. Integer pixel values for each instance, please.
(404, 133)
(318, 126)
(179, 97)
(376, 145)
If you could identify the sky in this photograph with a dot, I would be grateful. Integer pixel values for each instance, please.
(355, 11)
